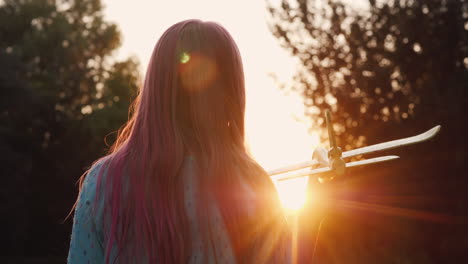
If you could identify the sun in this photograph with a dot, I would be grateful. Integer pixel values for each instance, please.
(282, 145)
(292, 193)
(292, 144)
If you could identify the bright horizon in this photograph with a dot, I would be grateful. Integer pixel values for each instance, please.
(276, 129)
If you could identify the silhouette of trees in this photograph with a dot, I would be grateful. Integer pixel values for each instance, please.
(61, 94)
(375, 64)
(387, 69)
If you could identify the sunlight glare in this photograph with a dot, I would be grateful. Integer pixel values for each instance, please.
(292, 193)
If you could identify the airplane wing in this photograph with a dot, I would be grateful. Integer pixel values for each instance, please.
(365, 150)
(328, 169)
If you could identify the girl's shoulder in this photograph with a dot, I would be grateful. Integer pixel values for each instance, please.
(98, 169)
(89, 188)
(87, 238)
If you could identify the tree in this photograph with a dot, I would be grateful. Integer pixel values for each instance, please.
(61, 94)
(373, 65)
(388, 69)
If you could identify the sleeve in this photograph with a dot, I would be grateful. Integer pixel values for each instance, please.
(86, 240)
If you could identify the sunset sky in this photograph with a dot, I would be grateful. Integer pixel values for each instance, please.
(274, 134)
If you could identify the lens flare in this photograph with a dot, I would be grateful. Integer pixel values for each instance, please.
(184, 57)
(197, 71)
(292, 193)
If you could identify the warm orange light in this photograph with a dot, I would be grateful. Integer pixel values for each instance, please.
(196, 71)
(292, 193)
(297, 146)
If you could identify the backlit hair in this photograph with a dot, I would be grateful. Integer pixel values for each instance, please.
(192, 102)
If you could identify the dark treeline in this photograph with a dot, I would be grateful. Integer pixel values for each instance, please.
(386, 70)
(60, 95)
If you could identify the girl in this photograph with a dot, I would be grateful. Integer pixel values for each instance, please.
(178, 185)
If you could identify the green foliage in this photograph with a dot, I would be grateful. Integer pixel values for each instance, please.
(61, 93)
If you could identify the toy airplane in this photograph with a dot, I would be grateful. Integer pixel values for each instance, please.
(323, 162)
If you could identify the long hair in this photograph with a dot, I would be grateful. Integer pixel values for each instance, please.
(192, 102)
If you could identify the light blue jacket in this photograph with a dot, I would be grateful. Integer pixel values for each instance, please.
(86, 244)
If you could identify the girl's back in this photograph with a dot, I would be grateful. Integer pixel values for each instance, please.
(87, 241)
(178, 184)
